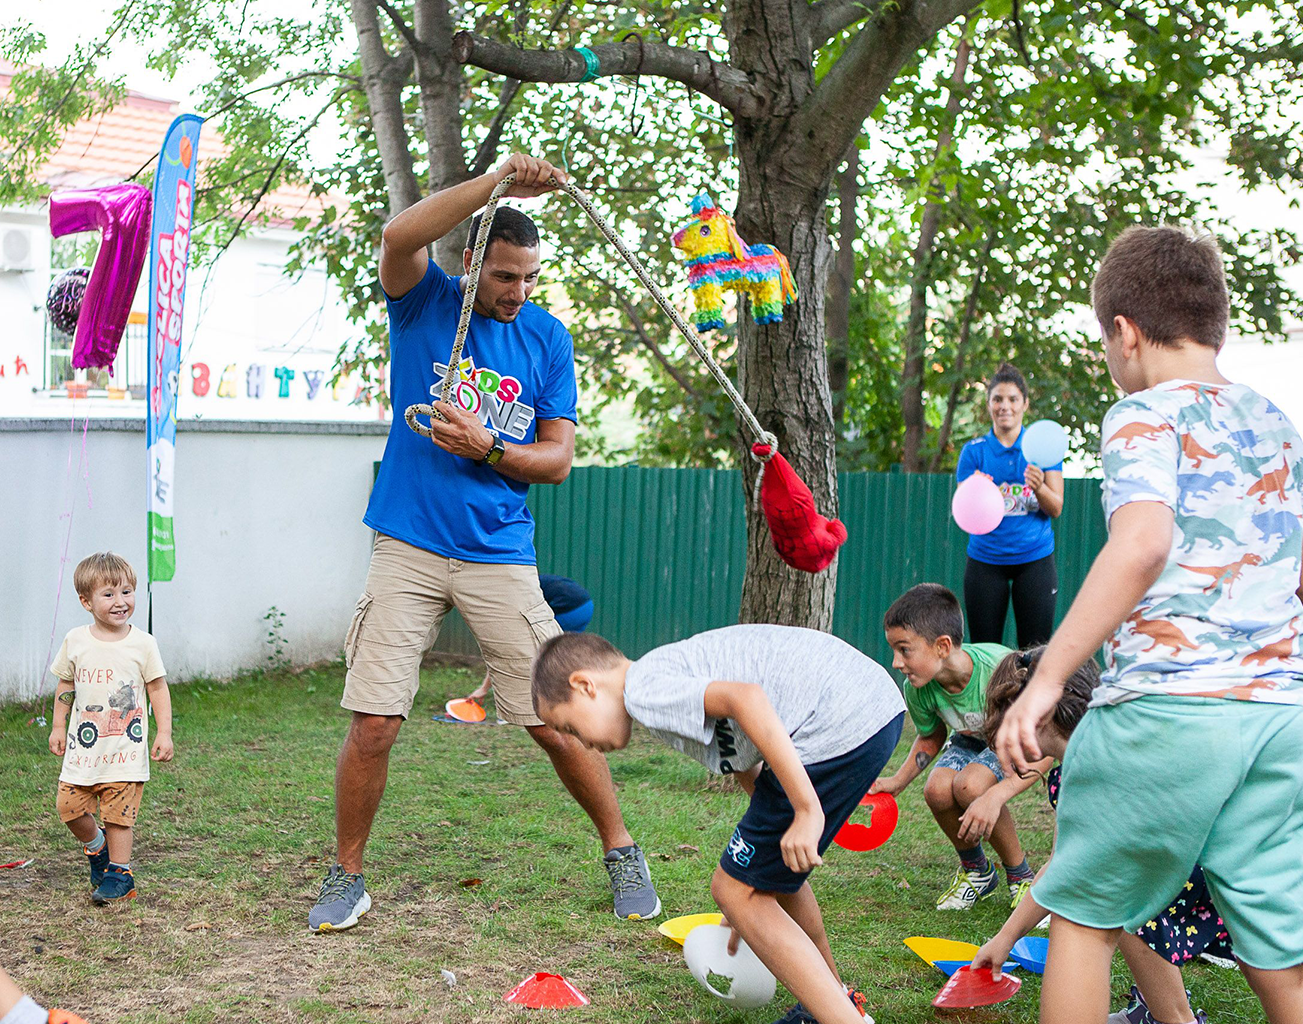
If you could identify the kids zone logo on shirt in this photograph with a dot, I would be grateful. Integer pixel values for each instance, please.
(492, 396)
(1019, 500)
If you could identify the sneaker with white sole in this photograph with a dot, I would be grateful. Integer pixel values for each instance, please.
(631, 884)
(968, 887)
(342, 902)
(1017, 890)
(1136, 1012)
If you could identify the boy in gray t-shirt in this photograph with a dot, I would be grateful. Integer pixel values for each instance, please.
(821, 717)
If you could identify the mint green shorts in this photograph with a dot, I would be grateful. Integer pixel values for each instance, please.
(1157, 785)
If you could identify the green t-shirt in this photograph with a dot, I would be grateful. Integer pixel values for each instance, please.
(930, 706)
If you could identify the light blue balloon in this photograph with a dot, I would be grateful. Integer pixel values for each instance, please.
(1044, 443)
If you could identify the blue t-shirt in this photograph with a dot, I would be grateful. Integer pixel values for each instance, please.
(511, 376)
(1024, 534)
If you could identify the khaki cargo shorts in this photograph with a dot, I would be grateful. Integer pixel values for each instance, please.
(408, 592)
(118, 803)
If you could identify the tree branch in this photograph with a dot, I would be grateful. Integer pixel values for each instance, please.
(640, 329)
(270, 180)
(404, 29)
(829, 18)
(833, 115)
(961, 351)
(382, 78)
(724, 84)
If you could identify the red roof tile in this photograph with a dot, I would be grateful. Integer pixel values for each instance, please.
(114, 145)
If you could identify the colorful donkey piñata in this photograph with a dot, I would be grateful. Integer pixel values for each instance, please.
(719, 259)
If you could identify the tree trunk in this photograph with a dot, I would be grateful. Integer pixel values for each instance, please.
(783, 368)
(783, 374)
(383, 78)
(911, 388)
(840, 285)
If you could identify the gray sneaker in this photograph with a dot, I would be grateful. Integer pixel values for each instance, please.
(631, 884)
(342, 901)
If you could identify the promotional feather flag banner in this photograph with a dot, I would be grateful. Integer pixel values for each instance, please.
(169, 260)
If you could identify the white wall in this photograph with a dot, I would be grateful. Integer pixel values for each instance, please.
(266, 514)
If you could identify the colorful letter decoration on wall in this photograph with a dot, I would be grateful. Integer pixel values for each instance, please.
(284, 374)
(254, 377)
(121, 215)
(174, 188)
(226, 386)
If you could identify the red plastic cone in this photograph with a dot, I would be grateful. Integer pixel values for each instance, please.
(861, 838)
(967, 988)
(546, 991)
(803, 538)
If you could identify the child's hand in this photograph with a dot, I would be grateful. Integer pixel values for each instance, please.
(734, 936)
(162, 749)
(889, 785)
(978, 822)
(1034, 477)
(992, 956)
(800, 843)
(1017, 745)
(58, 741)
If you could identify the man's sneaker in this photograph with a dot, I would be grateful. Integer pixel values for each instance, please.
(631, 884)
(341, 903)
(117, 884)
(99, 864)
(798, 1014)
(1017, 890)
(969, 887)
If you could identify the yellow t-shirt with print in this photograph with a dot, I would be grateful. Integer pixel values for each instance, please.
(108, 730)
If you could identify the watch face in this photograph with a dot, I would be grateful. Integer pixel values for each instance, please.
(496, 452)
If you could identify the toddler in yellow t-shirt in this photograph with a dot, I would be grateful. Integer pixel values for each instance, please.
(109, 673)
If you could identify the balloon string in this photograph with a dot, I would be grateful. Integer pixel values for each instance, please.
(67, 538)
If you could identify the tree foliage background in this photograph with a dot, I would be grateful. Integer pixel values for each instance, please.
(984, 191)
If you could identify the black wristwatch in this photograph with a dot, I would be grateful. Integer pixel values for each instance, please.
(494, 454)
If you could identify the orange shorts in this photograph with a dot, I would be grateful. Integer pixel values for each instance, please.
(117, 802)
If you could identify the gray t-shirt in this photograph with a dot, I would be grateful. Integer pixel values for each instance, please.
(829, 696)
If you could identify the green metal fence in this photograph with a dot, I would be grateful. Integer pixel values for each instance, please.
(662, 551)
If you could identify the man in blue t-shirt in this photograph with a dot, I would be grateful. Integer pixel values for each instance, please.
(451, 522)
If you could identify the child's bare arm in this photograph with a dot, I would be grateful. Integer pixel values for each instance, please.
(63, 697)
(160, 699)
(1140, 541)
(922, 753)
(749, 707)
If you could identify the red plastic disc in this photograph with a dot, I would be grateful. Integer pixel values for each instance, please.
(546, 991)
(967, 988)
(862, 838)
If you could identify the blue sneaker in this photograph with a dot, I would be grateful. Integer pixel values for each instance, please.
(342, 902)
(118, 884)
(99, 864)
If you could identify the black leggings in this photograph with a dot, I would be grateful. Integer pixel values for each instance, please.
(986, 600)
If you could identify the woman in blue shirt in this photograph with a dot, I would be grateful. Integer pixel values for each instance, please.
(1018, 554)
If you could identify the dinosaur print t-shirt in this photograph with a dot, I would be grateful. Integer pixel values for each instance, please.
(108, 730)
(1223, 619)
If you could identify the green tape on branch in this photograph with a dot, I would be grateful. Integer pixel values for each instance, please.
(591, 63)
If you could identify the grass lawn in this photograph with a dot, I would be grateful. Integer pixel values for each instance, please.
(236, 833)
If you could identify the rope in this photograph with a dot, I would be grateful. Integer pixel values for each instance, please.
(586, 204)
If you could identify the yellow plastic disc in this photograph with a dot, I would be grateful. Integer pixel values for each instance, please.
(677, 928)
(932, 950)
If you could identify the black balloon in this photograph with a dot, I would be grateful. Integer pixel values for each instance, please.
(63, 300)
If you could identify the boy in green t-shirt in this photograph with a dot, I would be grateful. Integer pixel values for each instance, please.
(967, 790)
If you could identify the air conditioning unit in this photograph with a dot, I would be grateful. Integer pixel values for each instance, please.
(16, 250)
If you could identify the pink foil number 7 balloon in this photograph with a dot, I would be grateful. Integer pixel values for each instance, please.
(121, 214)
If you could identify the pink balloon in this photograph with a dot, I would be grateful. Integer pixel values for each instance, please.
(121, 214)
(978, 505)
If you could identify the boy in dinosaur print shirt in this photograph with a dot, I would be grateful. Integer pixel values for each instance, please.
(1196, 601)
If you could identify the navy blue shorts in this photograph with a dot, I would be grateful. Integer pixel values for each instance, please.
(753, 855)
